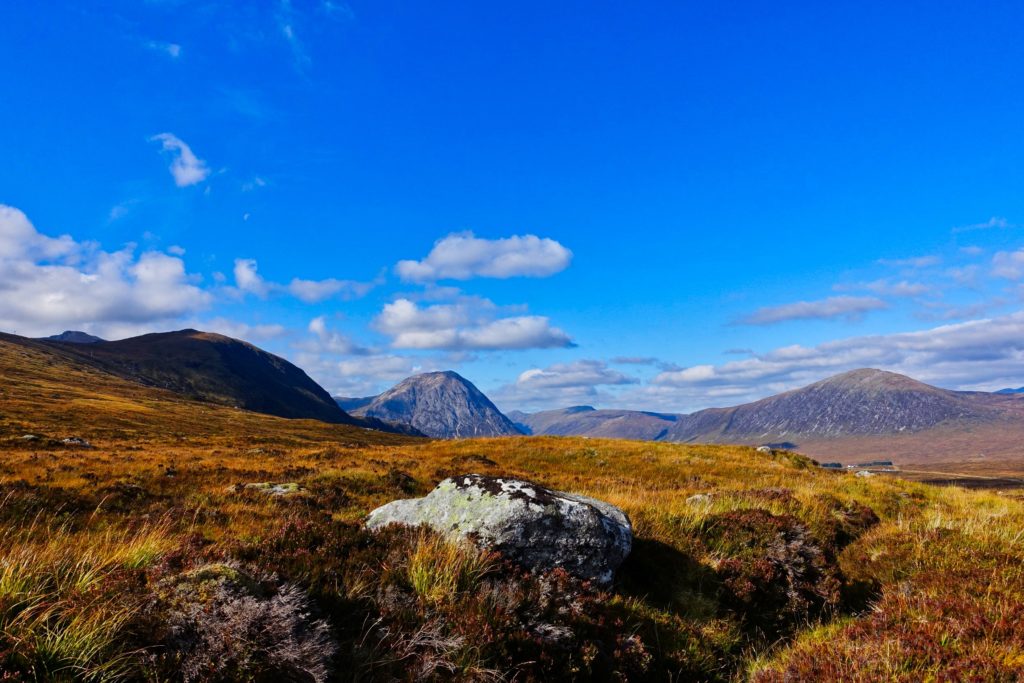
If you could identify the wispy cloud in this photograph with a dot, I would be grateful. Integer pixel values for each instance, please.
(847, 307)
(886, 287)
(1008, 264)
(463, 256)
(287, 19)
(937, 310)
(186, 168)
(912, 263)
(172, 50)
(996, 222)
(255, 183)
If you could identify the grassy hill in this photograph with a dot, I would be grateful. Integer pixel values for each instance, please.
(51, 390)
(199, 540)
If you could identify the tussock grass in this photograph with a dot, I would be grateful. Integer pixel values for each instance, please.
(440, 568)
(60, 610)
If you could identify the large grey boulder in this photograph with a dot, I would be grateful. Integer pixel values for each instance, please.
(532, 525)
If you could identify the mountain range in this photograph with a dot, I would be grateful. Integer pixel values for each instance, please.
(860, 413)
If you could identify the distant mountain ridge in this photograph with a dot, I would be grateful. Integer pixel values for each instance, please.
(585, 420)
(442, 405)
(859, 402)
(862, 412)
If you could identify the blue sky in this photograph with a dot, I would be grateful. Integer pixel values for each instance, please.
(657, 205)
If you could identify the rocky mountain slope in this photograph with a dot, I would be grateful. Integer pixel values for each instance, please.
(443, 405)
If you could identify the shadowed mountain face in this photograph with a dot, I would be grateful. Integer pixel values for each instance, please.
(214, 368)
(52, 392)
(73, 337)
(440, 404)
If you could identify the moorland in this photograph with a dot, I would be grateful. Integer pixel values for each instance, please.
(149, 536)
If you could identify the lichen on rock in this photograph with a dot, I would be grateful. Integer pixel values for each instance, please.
(537, 527)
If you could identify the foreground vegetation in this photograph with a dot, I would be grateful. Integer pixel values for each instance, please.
(171, 558)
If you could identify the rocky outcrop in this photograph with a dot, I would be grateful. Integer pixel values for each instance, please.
(534, 526)
(443, 405)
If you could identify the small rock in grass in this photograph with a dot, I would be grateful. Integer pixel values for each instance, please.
(699, 499)
(270, 488)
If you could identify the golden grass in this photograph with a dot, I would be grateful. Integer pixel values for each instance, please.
(439, 568)
(78, 525)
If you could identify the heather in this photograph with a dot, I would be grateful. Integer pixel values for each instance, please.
(242, 557)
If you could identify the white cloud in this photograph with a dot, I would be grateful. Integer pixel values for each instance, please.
(848, 307)
(186, 168)
(579, 373)
(1008, 264)
(562, 384)
(58, 282)
(327, 341)
(364, 376)
(463, 326)
(240, 330)
(463, 256)
(249, 281)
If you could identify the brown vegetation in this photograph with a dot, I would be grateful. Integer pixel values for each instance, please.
(146, 556)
